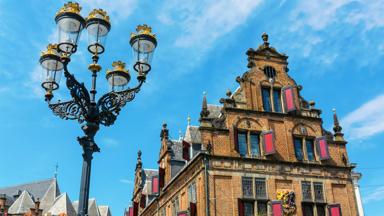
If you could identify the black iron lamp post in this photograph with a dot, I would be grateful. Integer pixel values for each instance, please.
(83, 106)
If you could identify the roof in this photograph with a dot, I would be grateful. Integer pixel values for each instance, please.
(104, 211)
(177, 149)
(61, 205)
(93, 209)
(192, 134)
(22, 204)
(214, 111)
(35, 189)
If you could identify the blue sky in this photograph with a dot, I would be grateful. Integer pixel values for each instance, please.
(335, 49)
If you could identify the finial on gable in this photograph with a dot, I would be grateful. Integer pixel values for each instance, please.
(264, 36)
(164, 132)
(189, 120)
(339, 136)
(204, 111)
(139, 162)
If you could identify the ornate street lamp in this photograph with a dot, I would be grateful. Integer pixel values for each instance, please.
(83, 106)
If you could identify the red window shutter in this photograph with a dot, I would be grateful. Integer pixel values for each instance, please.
(322, 148)
(192, 209)
(289, 99)
(235, 139)
(130, 211)
(135, 209)
(334, 210)
(241, 207)
(277, 208)
(268, 142)
(155, 184)
(142, 201)
(186, 147)
(161, 177)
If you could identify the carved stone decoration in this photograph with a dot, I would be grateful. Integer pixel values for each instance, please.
(219, 122)
(289, 204)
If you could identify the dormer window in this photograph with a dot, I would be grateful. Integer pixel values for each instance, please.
(270, 72)
(273, 95)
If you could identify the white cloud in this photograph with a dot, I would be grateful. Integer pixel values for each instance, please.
(316, 14)
(201, 23)
(116, 9)
(319, 14)
(376, 195)
(365, 121)
(126, 181)
(370, 12)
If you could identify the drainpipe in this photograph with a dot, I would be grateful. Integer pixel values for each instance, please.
(206, 167)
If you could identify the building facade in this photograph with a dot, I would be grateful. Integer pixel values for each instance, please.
(263, 151)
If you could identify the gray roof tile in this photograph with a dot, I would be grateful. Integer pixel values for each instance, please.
(22, 204)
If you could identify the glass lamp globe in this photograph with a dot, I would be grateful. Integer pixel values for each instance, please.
(98, 27)
(70, 24)
(143, 44)
(51, 68)
(119, 77)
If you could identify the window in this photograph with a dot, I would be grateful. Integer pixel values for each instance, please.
(320, 208)
(310, 149)
(298, 148)
(266, 99)
(262, 208)
(255, 144)
(306, 190)
(318, 191)
(277, 100)
(307, 209)
(192, 193)
(261, 191)
(248, 140)
(248, 209)
(270, 72)
(247, 186)
(304, 148)
(242, 141)
(196, 148)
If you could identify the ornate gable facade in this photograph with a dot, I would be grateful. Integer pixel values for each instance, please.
(263, 151)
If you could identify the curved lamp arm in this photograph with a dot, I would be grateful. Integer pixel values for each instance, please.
(78, 91)
(110, 104)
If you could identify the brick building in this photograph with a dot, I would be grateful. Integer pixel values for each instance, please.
(263, 151)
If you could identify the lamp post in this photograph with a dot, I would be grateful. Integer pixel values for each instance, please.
(83, 106)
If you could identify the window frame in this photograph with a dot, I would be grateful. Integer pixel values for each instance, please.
(304, 196)
(252, 189)
(304, 149)
(271, 95)
(248, 134)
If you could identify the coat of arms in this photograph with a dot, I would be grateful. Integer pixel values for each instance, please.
(288, 198)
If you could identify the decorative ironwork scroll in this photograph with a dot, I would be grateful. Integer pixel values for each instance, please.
(68, 110)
